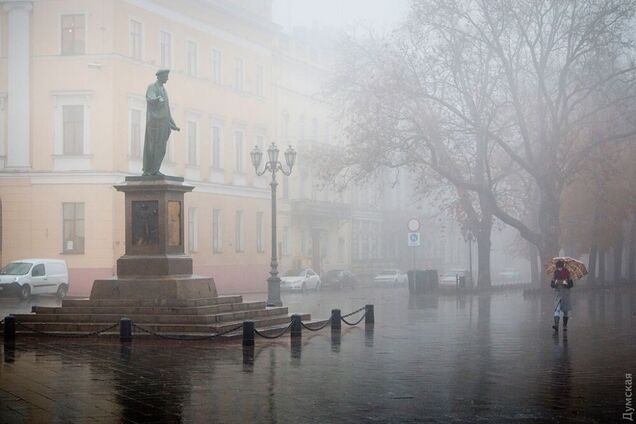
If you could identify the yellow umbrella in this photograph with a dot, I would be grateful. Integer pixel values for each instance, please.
(576, 268)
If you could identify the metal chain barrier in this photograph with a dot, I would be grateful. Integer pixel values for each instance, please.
(275, 336)
(206, 337)
(320, 327)
(353, 313)
(44, 333)
(355, 323)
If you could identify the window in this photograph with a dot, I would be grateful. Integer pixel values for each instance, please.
(38, 271)
(285, 242)
(136, 39)
(135, 133)
(73, 227)
(238, 151)
(259, 80)
(193, 239)
(73, 129)
(285, 126)
(192, 143)
(217, 235)
(314, 130)
(73, 34)
(301, 128)
(191, 58)
(216, 66)
(260, 246)
(165, 46)
(238, 74)
(239, 236)
(216, 147)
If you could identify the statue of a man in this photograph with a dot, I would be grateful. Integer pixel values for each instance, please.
(159, 123)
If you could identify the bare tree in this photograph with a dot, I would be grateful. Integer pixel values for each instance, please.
(480, 90)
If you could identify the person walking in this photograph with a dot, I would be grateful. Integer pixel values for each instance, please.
(561, 283)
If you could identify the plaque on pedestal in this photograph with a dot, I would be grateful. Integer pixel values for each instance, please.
(155, 264)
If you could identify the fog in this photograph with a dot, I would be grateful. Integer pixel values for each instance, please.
(202, 175)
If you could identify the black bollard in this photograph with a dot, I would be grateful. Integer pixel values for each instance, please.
(125, 330)
(296, 327)
(248, 333)
(369, 318)
(9, 327)
(335, 319)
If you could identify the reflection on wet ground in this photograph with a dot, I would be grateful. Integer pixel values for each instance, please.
(427, 359)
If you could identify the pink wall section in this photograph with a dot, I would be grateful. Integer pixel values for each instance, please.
(229, 279)
(237, 279)
(81, 279)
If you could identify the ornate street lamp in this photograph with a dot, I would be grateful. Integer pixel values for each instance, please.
(273, 165)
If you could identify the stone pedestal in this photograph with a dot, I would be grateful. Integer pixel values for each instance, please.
(155, 265)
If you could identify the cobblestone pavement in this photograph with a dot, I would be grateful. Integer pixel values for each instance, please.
(480, 358)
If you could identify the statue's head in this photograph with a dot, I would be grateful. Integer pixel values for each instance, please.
(162, 75)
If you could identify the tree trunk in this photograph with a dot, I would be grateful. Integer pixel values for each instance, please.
(631, 252)
(591, 276)
(535, 274)
(618, 258)
(601, 267)
(548, 226)
(483, 256)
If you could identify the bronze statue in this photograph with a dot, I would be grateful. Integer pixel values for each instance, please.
(159, 123)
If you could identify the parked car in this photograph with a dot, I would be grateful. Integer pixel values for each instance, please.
(300, 279)
(34, 276)
(509, 275)
(455, 277)
(391, 276)
(339, 278)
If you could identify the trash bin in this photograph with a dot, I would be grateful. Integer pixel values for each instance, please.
(421, 281)
(462, 282)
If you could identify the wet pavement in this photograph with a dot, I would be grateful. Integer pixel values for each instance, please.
(479, 358)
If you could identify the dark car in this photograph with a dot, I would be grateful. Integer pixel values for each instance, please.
(339, 278)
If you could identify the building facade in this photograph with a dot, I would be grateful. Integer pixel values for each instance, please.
(73, 76)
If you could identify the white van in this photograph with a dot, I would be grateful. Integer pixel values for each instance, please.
(34, 276)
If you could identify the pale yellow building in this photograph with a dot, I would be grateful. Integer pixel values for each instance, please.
(73, 75)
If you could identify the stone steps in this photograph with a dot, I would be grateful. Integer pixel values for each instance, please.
(149, 310)
(153, 302)
(177, 317)
(181, 318)
(62, 328)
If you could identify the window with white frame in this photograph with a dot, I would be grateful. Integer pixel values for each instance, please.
(217, 62)
(285, 242)
(238, 151)
(191, 58)
(73, 129)
(284, 124)
(165, 49)
(215, 148)
(73, 34)
(135, 133)
(192, 129)
(239, 74)
(217, 231)
(73, 227)
(301, 128)
(193, 230)
(239, 232)
(259, 80)
(260, 232)
(136, 40)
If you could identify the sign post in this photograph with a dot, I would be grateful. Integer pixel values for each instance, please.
(414, 241)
